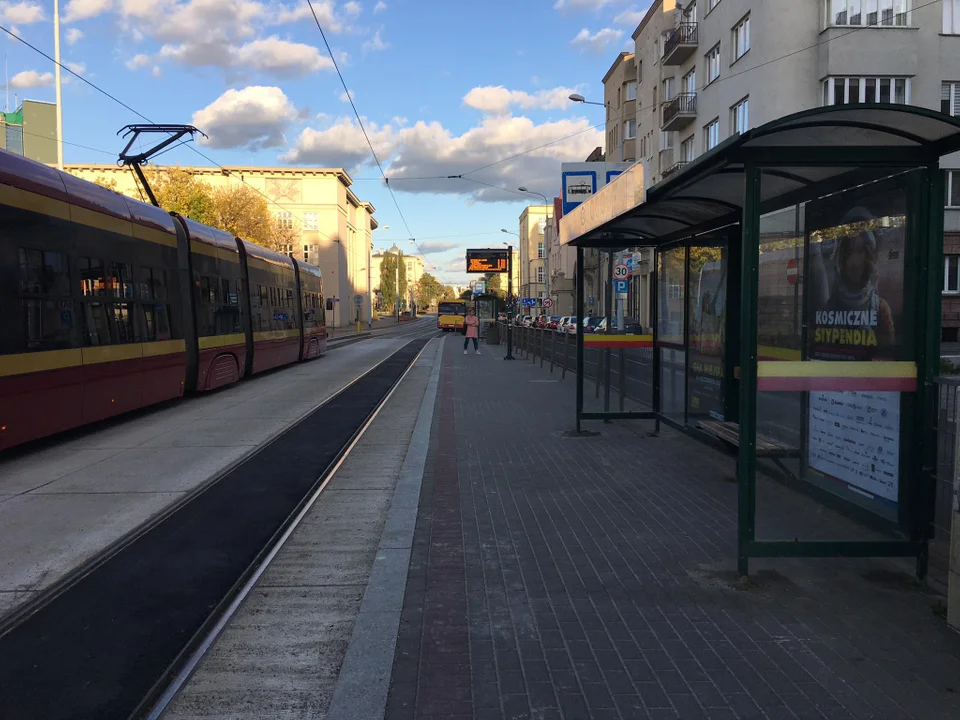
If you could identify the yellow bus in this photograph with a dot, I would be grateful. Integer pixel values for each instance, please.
(450, 314)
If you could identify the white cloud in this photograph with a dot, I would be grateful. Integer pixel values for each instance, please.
(78, 68)
(598, 42)
(573, 5)
(271, 56)
(379, 7)
(22, 13)
(630, 17)
(138, 61)
(85, 9)
(253, 118)
(74, 35)
(347, 98)
(353, 8)
(375, 44)
(432, 247)
(31, 79)
(430, 150)
(498, 100)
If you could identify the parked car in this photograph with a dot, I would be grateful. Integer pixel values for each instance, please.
(630, 327)
(563, 322)
(552, 322)
(590, 323)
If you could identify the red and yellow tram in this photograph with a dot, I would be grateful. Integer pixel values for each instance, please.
(108, 305)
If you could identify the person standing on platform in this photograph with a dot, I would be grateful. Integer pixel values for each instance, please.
(471, 331)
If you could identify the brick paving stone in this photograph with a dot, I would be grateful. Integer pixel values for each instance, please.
(555, 577)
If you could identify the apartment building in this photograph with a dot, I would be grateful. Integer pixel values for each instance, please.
(620, 98)
(707, 69)
(336, 228)
(31, 131)
(533, 252)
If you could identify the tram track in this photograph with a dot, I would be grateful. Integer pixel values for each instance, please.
(125, 631)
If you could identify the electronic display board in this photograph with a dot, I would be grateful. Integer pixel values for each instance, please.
(487, 261)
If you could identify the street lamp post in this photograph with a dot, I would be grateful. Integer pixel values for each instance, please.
(546, 254)
(580, 99)
(509, 294)
(59, 88)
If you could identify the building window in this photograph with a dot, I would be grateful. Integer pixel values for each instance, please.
(740, 116)
(711, 135)
(950, 97)
(285, 219)
(713, 64)
(952, 187)
(310, 221)
(640, 70)
(632, 90)
(654, 106)
(741, 38)
(668, 89)
(711, 4)
(630, 130)
(287, 250)
(687, 152)
(666, 140)
(852, 90)
(306, 253)
(690, 13)
(951, 17)
(676, 290)
(690, 82)
(540, 274)
(864, 13)
(540, 250)
(951, 283)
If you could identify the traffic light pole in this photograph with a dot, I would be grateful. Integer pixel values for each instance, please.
(509, 299)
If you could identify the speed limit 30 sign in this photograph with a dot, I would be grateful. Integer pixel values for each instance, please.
(621, 272)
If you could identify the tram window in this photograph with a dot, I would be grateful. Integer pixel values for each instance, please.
(155, 322)
(48, 324)
(290, 302)
(97, 327)
(43, 272)
(91, 276)
(229, 292)
(120, 280)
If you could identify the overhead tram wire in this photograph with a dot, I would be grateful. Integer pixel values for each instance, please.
(140, 115)
(356, 113)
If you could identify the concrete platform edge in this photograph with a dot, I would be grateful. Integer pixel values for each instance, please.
(364, 680)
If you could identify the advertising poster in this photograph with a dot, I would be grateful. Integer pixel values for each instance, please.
(707, 313)
(856, 314)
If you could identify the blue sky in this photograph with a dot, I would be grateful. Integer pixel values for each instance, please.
(444, 87)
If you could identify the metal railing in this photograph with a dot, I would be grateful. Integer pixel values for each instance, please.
(677, 166)
(683, 34)
(684, 103)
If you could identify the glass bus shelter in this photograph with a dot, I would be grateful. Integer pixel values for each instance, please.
(795, 313)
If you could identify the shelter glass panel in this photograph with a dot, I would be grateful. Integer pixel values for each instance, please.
(836, 323)
(707, 314)
(671, 328)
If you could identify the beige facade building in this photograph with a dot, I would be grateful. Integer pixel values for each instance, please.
(336, 228)
(620, 98)
(414, 266)
(533, 253)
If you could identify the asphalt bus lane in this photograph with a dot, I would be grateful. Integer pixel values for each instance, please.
(108, 645)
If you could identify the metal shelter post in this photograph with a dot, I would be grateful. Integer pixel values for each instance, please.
(579, 309)
(509, 303)
(747, 451)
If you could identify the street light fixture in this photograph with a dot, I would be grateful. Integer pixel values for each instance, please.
(577, 98)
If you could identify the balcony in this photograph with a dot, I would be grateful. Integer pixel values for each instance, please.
(679, 112)
(680, 44)
(676, 167)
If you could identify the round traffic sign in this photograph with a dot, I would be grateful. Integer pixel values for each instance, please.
(547, 302)
(792, 272)
(621, 272)
(358, 300)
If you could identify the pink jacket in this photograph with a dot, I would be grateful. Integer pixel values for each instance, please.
(473, 324)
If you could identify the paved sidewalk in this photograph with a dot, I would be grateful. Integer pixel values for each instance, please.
(592, 577)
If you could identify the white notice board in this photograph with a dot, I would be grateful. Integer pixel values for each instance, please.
(855, 437)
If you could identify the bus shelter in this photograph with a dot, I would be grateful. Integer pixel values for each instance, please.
(795, 313)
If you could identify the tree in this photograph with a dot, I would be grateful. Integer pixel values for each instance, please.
(402, 283)
(110, 184)
(448, 293)
(493, 281)
(466, 294)
(428, 289)
(242, 211)
(388, 280)
(178, 190)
